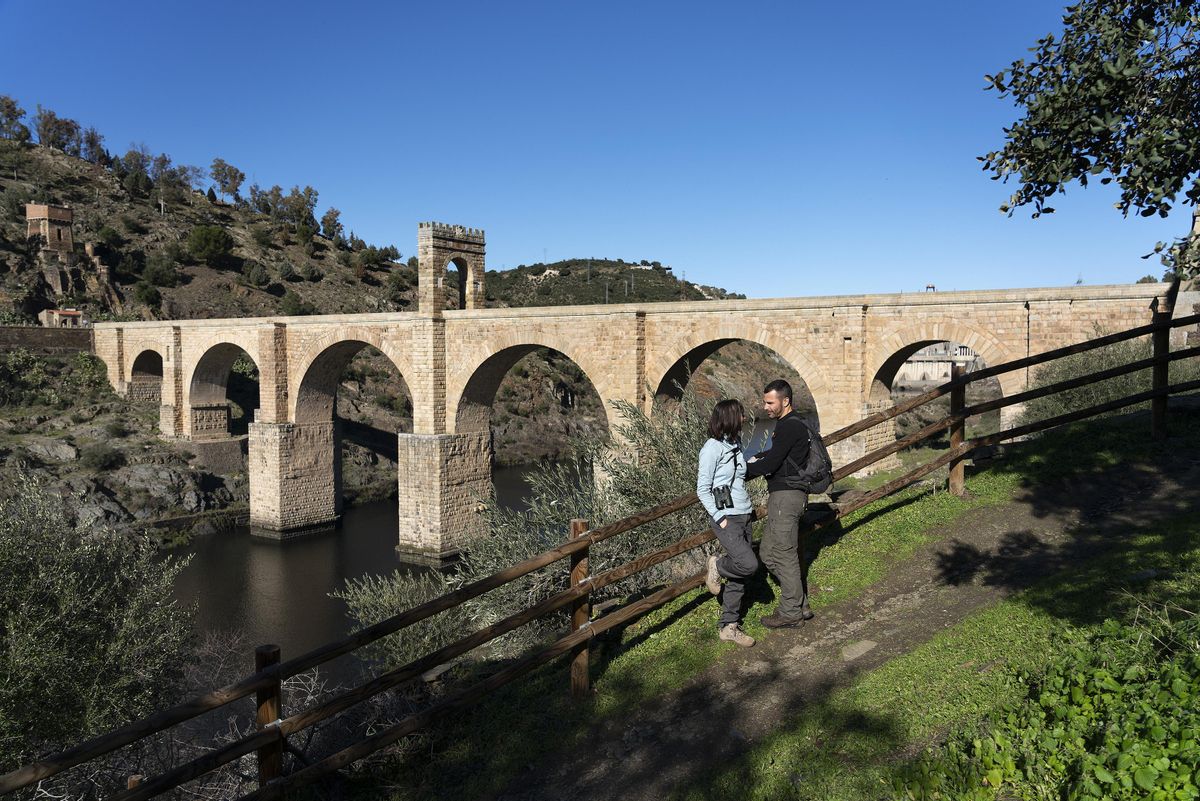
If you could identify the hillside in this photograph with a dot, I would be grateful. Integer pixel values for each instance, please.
(162, 268)
(268, 258)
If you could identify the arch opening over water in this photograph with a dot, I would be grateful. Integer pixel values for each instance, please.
(533, 401)
(355, 386)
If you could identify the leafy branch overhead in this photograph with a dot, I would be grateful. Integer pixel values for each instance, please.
(1114, 98)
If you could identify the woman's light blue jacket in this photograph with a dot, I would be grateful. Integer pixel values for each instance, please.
(722, 463)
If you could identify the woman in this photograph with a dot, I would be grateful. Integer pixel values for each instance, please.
(721, 485)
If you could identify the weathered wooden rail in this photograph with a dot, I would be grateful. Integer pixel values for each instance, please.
(269, 740)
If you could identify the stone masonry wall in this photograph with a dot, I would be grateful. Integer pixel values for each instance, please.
(45, 341)
(442, 480)
(293, 479)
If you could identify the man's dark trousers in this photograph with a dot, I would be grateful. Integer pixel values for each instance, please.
(780, 550)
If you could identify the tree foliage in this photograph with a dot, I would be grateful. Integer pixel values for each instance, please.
(91, 637)
(331, 224)
(11, 115)
(1115, 97)
(228, 177)
(57, 132)
(210, 244)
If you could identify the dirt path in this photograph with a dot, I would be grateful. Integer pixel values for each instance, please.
(982, 558)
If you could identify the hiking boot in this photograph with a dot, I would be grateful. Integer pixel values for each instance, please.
(778, 621)
(732, 632)
(713, 579)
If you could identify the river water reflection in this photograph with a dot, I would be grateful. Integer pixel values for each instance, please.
(278, 592)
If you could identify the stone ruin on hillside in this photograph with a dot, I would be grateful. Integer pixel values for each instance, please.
(50, 226)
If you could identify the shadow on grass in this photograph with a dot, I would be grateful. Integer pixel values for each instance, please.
(503, 748)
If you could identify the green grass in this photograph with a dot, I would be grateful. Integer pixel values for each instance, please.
(853, 744)
(965, 669)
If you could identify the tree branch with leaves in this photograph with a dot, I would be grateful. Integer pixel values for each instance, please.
(1115, 98)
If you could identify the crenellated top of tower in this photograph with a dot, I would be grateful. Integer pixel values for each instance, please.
(428, 230)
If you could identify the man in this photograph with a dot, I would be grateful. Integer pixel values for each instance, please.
(779, 549)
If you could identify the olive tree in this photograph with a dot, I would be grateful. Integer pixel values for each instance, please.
(1113, 98)
(91, 636)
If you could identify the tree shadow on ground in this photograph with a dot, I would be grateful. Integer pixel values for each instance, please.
(1112, 498)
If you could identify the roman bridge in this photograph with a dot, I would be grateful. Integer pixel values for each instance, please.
(846, 348)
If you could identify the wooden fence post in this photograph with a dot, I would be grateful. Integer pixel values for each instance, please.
(958, 402)
(1161, 341)
(581, 614)
(270, 703)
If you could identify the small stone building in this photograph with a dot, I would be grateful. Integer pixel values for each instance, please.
(62, 318)
(52, 224)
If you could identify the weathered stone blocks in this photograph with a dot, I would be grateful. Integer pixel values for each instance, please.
(443, 481)
(295, 477)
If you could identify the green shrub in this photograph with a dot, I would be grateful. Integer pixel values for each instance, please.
(109, 237)
(101, 456)
(1100, 392)
(160, 271)
(92, 638)
(255, 273)
(262, 235)
(210, 244)
(116, 428)
(288, 273)
(133, 225)
(293, 306)
(147, 293)
(310, 272)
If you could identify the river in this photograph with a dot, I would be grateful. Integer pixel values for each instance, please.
(278, 592)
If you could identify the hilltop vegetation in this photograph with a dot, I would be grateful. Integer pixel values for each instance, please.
(184, 242)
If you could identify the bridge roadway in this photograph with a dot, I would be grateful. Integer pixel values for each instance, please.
(846, 348)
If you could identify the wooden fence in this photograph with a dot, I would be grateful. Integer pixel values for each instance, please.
(269, 740)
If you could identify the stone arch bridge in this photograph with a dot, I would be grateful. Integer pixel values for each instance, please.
(846, 348)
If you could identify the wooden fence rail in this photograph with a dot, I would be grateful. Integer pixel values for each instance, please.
(270, 738)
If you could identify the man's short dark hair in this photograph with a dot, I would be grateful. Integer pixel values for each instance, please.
(781, 388)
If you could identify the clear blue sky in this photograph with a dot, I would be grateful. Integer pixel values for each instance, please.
(773, 148)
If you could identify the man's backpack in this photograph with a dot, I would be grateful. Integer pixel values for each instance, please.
(817, 475)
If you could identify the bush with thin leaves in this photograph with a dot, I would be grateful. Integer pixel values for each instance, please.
(1112, 389)
(647, 460)
(91, 635)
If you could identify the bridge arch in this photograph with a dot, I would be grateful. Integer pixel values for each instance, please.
(209, 412)
(675, 366)
(896, 346)
(146, 377)
(319, 375)
(471, 390)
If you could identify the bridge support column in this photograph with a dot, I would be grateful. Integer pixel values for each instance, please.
(1010, 417)
(443, 479)
(295, 478)
(864, 442)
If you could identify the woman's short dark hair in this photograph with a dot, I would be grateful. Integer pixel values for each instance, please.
(726, 421)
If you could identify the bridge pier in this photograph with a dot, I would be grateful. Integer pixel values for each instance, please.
(295, 478)
(442, 481)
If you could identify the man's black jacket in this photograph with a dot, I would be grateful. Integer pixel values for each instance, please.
(790, 439)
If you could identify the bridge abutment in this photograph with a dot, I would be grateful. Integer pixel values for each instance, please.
(295, 477)
(442, 480)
